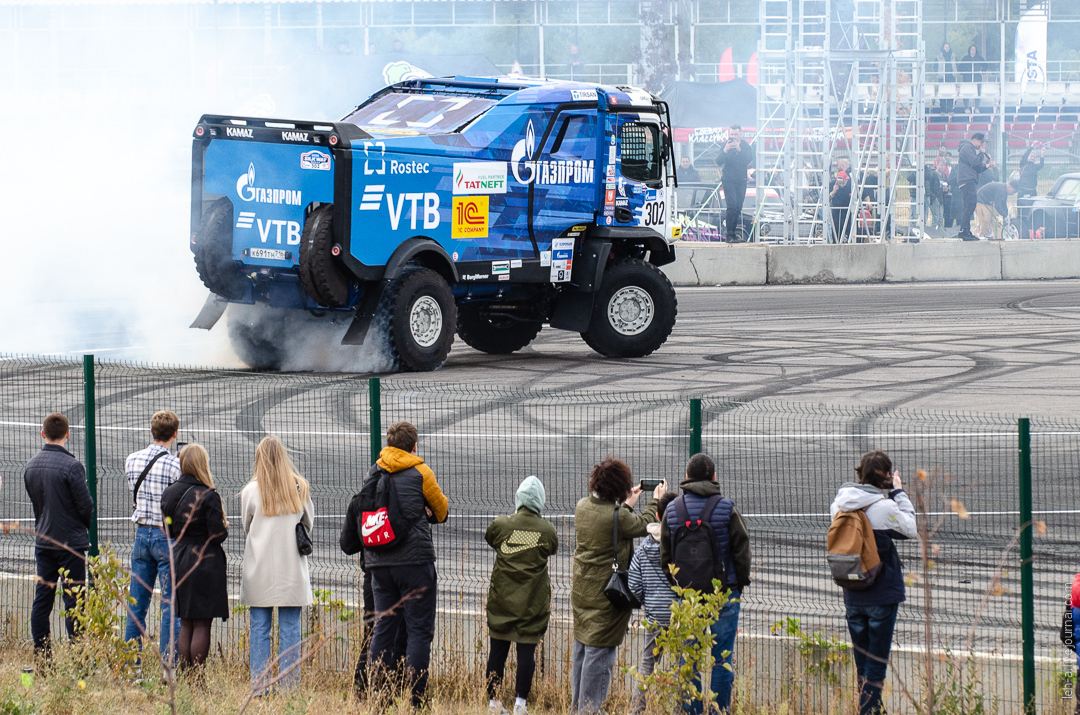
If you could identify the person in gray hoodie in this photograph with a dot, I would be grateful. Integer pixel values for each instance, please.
(651, 588)
(871, 614)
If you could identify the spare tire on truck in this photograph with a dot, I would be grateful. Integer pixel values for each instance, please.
(213, 251)
(321, 272)
(494, 334)
(416, 316)
(634, 310)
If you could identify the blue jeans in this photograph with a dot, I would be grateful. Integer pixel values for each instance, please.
(723, 629)
(871, 629)
(288, 646)
(150, 562)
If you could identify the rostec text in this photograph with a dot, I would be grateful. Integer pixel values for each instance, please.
(409, 167)
(292, 230)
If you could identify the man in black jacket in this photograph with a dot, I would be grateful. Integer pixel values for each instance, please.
(973, 161)
(63, 509)
(734, 161)
(403, 579)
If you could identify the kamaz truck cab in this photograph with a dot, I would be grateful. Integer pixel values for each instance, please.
(486, 207)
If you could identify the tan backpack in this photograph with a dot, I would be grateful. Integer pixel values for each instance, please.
(852, 551)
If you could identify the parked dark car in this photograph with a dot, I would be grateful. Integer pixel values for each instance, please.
(1057, 213)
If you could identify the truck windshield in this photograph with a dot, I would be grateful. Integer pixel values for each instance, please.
(641, 152)
(403, 113)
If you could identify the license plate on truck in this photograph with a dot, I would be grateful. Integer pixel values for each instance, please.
(272, 254)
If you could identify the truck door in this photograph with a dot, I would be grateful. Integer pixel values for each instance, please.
(564, 176)
(644, 193)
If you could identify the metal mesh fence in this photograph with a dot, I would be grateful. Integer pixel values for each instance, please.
(780, 462)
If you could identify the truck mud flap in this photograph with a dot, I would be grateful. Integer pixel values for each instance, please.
(573, 311)
(211, 312)
(365, 312)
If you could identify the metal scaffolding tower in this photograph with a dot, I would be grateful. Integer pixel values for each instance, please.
(841, 80)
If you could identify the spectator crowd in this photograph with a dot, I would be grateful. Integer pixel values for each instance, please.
(691, 538)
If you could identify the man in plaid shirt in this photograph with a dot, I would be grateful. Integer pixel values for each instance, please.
(150, 555)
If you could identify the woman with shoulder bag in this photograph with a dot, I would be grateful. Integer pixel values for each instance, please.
(196, 522)
(600, 626)
(278, 515)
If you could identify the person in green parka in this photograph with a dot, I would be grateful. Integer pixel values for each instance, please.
(519, 598)
(599, 627)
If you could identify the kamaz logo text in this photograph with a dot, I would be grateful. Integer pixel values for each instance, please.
(238, 132)
(294, 136)
(247, 191)
(428, 203)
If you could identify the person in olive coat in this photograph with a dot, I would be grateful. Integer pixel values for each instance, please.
(519, 598)
(599, 627)
(196, 521)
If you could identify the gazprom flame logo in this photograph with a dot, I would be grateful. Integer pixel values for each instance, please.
(524, 149)
(247, 191)
(245, 185)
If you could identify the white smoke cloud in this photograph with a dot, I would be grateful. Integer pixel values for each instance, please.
(95, 188)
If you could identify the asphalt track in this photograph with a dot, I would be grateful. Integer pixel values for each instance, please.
(798, 382)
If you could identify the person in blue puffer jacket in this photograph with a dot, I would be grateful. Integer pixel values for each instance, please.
(871, 614)
(651, 588)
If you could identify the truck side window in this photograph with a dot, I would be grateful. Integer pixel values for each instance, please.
(576, 138)
(640, 152)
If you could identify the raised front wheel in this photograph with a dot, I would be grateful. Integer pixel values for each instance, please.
(634, 310)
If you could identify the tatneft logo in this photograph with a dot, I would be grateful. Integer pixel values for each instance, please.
(429, 203)
(240, 132)
(247, 191)
(574, 171)
(480, 177)
(470, 219)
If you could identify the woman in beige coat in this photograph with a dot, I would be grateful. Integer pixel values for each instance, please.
(275, 574)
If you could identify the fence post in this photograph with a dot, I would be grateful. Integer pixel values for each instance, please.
(90, 428)
(695, 426)
(375, 417)
(1027, 588)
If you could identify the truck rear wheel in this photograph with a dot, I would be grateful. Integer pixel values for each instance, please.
(634, 310)
(213, 251)
(418, 314)
(320, 273)
(494, 335)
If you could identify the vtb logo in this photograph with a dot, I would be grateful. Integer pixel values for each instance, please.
(470, 217)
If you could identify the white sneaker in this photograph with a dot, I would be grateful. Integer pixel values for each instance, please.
(520, 710)
(497, 709)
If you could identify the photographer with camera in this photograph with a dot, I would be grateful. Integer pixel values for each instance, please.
(973, 160)
(735, 160)
(1030, 165)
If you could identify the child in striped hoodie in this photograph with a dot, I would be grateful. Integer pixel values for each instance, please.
(653, 591)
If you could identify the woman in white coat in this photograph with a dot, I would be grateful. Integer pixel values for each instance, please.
(275, 574)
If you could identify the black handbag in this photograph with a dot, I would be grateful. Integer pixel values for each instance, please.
(617, 589)
(303, 541)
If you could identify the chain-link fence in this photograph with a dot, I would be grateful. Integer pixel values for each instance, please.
(780, 462)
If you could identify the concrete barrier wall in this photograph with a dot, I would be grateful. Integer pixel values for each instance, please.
(707, 264)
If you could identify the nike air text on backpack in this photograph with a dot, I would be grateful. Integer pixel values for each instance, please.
(381, 524)
(694, 551)
(852, 551)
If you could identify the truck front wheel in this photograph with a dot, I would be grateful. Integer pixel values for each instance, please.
(494, 335)
(417, 315)
(634, 310)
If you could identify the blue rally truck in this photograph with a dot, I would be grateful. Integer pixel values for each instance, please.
(485, 207)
